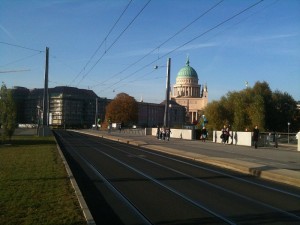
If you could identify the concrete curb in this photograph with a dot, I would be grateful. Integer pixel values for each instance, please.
(86, 211)
(258, 170)
(282, 175)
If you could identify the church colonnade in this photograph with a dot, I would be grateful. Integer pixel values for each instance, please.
(193, 91)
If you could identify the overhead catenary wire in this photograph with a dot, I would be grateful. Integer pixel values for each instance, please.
(163, 43)
(191, 40)
(18, 60)
(104, 41)
(113, 43)
(137, 79)
(19, 46)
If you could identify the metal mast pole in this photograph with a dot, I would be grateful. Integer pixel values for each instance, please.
(45, 97)
(167, 93)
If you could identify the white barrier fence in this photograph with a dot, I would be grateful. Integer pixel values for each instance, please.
(298, 137)
(236, 138)
(175, 133)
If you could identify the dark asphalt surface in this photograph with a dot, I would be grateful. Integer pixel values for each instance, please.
(280, 164)
(173, 190)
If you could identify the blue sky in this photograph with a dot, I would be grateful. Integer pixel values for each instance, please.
(91, 49)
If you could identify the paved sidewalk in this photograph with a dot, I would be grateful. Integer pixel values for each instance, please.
(278, 164)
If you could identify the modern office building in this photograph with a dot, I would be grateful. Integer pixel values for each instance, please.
(68, 106)
(71, 107)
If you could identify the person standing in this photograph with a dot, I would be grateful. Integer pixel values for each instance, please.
(255, 136)
(203, 134)
(228, 134)
(158, 132)
(224, 134)
(168, 133)
(163, 133)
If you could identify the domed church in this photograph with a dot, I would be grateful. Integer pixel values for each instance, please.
(188, 93)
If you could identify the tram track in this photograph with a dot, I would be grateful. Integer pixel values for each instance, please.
(170, 177)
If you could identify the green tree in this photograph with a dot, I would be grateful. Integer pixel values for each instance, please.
(216, 115)
(240, 119)
(122, 109)
(7, 113)
(256, 112)
(263, 89)
(285, 108)
(254, 106)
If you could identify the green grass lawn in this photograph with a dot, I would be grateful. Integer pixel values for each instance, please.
(34, 185)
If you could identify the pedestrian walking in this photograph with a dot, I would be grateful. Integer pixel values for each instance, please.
(158, 132)
(163, 133)
(255, 136)
(224, 134)
(168, 133)
(203, 134)
(228, 134)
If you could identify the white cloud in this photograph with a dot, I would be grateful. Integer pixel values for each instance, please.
(273, 37)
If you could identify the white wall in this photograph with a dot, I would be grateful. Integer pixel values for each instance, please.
(237, 138)
(298, 138)
(175, 133)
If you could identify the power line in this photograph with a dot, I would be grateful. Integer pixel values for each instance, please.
(19, 46)
(193, 39)
(213, 28)
(104, 40)
(139, 78)
(115, 41)
(20, 59)
(163, 43)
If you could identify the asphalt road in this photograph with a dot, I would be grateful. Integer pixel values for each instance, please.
(125, 184)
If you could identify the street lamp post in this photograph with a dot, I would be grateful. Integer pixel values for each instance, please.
(166, 113)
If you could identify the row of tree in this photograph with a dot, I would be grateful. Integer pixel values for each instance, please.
(270, 111)
(7, 113)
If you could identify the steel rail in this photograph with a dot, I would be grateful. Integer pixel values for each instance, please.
(210, 170)
(109, 185)
(204, 182)
(193, 202)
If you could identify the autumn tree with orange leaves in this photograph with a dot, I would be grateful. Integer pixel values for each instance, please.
(122, 109)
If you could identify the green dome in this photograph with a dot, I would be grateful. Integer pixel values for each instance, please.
(187, 71)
